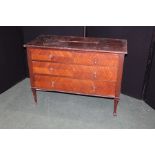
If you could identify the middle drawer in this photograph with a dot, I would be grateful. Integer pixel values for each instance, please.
(100, 73)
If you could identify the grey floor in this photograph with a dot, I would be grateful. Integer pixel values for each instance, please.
(61, 111)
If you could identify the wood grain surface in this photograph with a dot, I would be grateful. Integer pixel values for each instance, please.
(73, 57)
(75, 85)
(101, 73)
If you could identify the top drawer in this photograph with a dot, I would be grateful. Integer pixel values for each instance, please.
(74, 57)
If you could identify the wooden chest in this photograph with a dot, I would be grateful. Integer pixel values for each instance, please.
(89, 66)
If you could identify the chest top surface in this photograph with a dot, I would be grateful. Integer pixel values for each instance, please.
(79, 43)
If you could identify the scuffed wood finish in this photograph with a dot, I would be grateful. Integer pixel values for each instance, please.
(80, 43)
(89, 66)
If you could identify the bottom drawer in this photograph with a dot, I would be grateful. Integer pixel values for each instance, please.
(69, 85)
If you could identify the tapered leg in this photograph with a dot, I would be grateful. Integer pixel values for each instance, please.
(116, 100)
(34, 94)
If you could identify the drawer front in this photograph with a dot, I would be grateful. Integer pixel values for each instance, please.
(101, 73)
(88, 87)
(105, 88)
(74, 57)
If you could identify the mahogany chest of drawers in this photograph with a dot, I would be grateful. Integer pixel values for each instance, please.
(89, 66)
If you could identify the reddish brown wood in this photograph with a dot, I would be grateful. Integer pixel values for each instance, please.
(90, 66)
(75, 85)
(30, 67)
(74, 57)
(101, 73)
(118, 83)
(119, 75)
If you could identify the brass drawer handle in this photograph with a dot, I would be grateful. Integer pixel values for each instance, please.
(94, 75)
(50, 69)
(95, 61)
(51, 56)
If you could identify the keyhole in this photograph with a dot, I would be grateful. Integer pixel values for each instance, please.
(94, 74)
(52, 83)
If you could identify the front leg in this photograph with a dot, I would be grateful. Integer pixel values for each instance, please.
(116, 100)
(34, 94)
